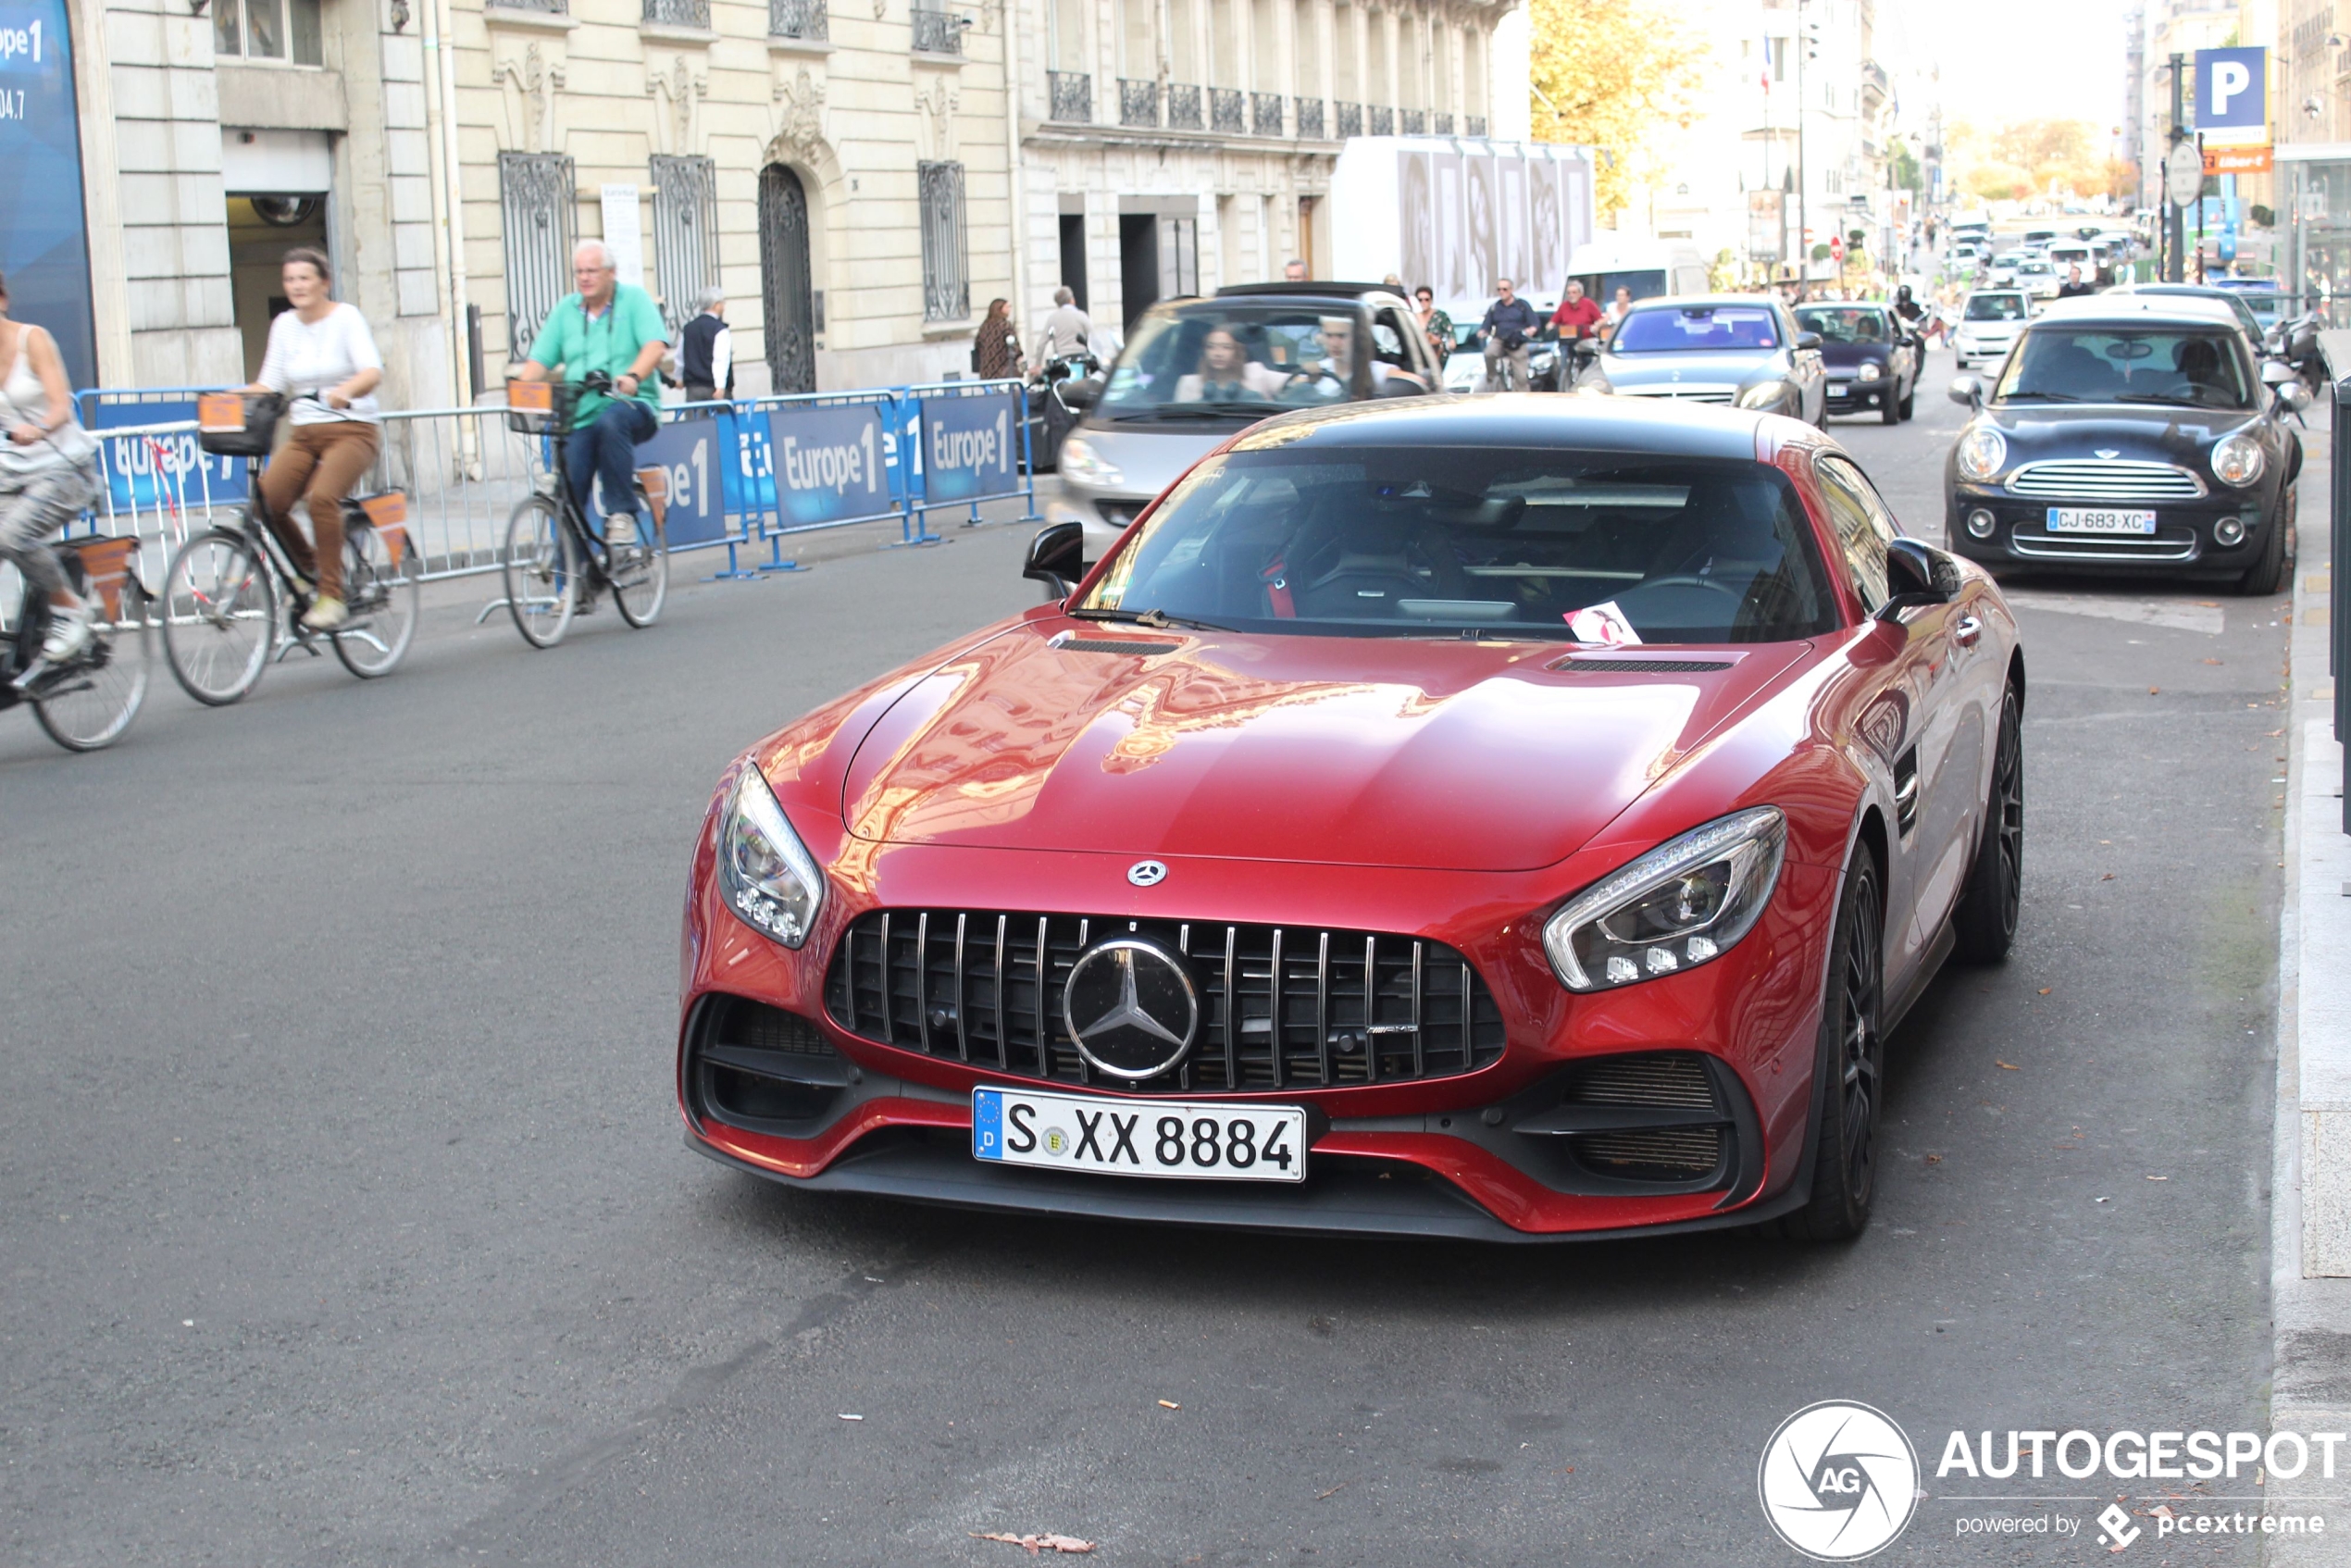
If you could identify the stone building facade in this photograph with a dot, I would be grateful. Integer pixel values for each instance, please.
(859, 177)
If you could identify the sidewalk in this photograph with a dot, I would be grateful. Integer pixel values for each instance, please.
(2310, 1207)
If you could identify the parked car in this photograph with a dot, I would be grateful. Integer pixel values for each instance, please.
(1159, 410)
(1742, 349)
(2262, 297)
(1989, 322)
(1872, 357)
(2130, 435)
(1505, 819)
(2239, 307)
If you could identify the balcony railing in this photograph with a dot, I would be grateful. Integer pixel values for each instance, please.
(1073, 97)
(1228, 111)
(1265, 112)
(1350, 119)
(1138, 102)
(552, 8)
(1441, 122)
(679, 13)
(797, 18)
(1415, 121)
(1183, 108)
(1383, 121)
(1473, 125)
(936, 33)
(1310, 120)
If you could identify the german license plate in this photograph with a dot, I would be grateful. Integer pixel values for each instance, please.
(1138, 1138)
(1838, 389)
(2100, 519)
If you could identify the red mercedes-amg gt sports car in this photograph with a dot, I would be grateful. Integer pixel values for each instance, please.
(1513, 819)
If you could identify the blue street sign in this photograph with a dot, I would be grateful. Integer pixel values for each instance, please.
(829, 463)
(2231, 96)
(970, 446)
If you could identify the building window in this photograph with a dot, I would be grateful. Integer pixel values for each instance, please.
(937, 32)
(947, 295)
(535, 194)
(685, 233)
(679, 13)
(797, 19)
(268, 29)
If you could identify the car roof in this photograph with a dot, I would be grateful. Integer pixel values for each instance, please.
(1878, 305)
(1702, 301)
(1311, 287)
(2018, 293)
(2183, 310)
(1637, 426)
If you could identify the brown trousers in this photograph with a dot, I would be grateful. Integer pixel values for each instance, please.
(319, 463)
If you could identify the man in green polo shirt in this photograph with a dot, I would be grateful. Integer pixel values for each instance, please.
(615, 327)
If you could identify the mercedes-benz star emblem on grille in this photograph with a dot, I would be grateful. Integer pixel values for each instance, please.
(2109, 453)
(1131, 1007)
(1147, 873)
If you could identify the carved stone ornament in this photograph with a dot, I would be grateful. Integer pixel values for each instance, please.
(803, 127)
(683, 88)
(539, 82)
(938, 108)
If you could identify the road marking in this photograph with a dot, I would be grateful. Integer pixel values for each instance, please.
(2169, 613)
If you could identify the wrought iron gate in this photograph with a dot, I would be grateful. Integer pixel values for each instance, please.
(784, 272)
(947, 295)
(685, 232)
(535, 202)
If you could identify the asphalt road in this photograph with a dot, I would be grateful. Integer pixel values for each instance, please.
(346, 1218)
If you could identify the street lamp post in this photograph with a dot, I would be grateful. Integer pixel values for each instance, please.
(2175, 223)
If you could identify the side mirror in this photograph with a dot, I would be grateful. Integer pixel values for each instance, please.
(1057, 557)
(2294, 394)
(1917, 574)
(1080, 392)
(1967, 391)
(1808, 339)
(2277, 373)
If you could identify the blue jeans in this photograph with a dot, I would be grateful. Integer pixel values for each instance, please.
(606, 448)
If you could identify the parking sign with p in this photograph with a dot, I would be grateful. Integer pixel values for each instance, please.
(2233, 97)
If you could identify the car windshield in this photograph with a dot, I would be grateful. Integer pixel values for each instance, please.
(1695, 329)
(1846, 323)
(1231, 357)
(2195, 370)
(1995, 307)
(1476, 541)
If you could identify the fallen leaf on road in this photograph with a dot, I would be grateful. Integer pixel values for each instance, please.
(2211, 661)
(1036, 1544)
(1169, 1404)
(2046, 989)
(1935, 1159)
(1334, 1491)
(2155, 691)
(2108, 877)
(2009, 1066)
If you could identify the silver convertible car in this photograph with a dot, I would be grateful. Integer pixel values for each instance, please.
(1739, 349)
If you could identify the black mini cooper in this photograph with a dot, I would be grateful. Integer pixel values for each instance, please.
(2126, 435)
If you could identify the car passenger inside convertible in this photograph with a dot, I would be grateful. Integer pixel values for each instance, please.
(1478, 542)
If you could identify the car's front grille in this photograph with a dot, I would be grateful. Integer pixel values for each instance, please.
(2110, 480)
(2034, 541)
(1280, 1006)
(1682, 394)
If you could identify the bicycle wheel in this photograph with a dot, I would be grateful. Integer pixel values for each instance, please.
(93, 701)
(219, 615)
(543, 572)
(639, 573)
(382, 598)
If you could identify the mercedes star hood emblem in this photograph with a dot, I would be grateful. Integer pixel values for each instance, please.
(1131, 1007)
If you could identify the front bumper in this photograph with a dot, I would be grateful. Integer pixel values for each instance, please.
(1466, 1155)
(1860, 397)
(2184, 541)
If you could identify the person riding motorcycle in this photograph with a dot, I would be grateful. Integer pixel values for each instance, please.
(615, 328)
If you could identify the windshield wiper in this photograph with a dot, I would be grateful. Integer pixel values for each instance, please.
(1154, 617)
(1227, 410)
(2045, 397)
(2174, 402)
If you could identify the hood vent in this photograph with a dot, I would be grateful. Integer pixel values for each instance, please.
(1573, 665)
(1134, 646)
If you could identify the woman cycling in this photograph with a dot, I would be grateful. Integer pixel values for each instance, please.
(323, 347)
(48, 474)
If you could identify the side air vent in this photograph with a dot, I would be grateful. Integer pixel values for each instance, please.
(1664, 1120)
(1130, 645)
(757, 1066)
(1573, 665)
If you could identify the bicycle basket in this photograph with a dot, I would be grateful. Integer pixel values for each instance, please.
(105, 564)
(238, 424)
(538, 407)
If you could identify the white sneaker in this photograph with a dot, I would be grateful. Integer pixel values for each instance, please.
(325, 616)
(70, 634)
(620, 530)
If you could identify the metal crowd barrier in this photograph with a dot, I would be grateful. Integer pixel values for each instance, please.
(743, 476)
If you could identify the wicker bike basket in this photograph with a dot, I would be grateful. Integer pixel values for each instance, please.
(238, 424)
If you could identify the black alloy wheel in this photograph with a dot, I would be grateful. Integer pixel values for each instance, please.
(2268, 571)
(1984, 924)
(1852, 1042)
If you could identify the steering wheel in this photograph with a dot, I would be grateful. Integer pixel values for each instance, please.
(1736, 595)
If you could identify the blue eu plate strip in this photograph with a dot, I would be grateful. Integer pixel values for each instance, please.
(988, 1125)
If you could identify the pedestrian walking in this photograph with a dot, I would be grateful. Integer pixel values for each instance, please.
(48, 474)
(1435, 324)
(706, 351)
(2073, 287)
(1510, 322)
(1068, 332)
(995, 349)
(320, 345)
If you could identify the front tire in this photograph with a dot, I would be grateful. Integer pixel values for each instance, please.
(1984, 926)
(1852, 1018)
(2269, 572)
(219, 617)
(543, 570)
(639, 573)
(89, 707)
(1892, 413)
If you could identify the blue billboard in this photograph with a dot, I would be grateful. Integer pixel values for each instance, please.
(828, 464)
(44, 249)
(970, 446)
(690, 453)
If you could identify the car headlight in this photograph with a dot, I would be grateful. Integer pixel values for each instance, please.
(1684, 903)
(1763, 394)
(2236, 459)
(766, 873)
(1870, 372)
(1078, 462)
(1982, 453)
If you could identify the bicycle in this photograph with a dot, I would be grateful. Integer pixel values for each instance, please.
(90, 700)
(551, 550)
(232, 602)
